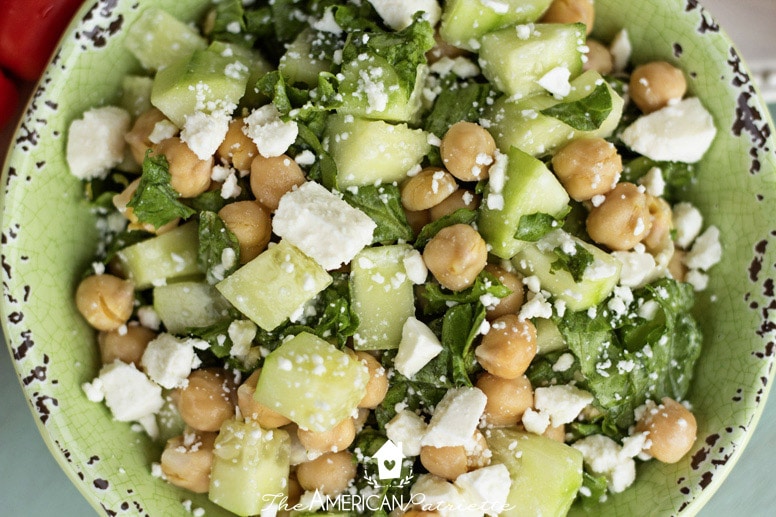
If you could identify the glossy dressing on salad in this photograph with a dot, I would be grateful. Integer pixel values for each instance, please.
(407, 258)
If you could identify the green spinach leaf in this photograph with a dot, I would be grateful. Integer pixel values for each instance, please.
(155, 201)
(586, 114)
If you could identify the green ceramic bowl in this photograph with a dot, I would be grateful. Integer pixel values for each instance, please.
(48, 238)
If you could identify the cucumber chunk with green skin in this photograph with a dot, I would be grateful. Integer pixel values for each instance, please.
(311, 382)
(273, 286)
(530, 188)
(464, 22)
(546, 475)
(521, 124)
(206, 81)
(595, 278)
(164, 258)
(548, 336)
(157, 39)
(299, 64)
(372, 151)
(257, 66)
(372, 89)
(514, 62)
(136, 94)
(184, 305)
(250, 467)
(382, 296)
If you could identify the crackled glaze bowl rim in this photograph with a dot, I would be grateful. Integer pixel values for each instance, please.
(48, 238)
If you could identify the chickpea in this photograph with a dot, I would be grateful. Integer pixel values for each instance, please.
(676, 265)
(418, 219)
(273, 177)
(446, 462)
(427, 188)
(331, 473)
(250, 408)
(187, 459)
(587, 167)
(105, 301)
(208, 399)
(377, 386)
(455, 256)
(508, 347)
(421, 513)
(251, 224)
(599, 58)
(507, 399)
(512, 302)
(127, 346)
(122, 199)
(338, 438)
(138, 137)
(571, 11)
(237, 149)
(671, 429)
(189, 175)
(461, 198)
(622, 220)
(467, 151)
(662, 223)
(654, 85)
(555, 432)
(295, 490)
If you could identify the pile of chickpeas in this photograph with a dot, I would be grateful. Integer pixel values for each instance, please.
(621, 215)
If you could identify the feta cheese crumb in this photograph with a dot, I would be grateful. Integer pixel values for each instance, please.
(680, 132)
(204, 132)
(95, 143)
(561, 403)
(621, 49)
(168, 360)
(417, 347)
(487, 488)
(128, 392)
(415, 267)
(605, 457)
(322, 225)
(455, 418)
(407, 429)
(706, 250)
(269, 132)
(688, 222)
(556, 81)
(397, 14)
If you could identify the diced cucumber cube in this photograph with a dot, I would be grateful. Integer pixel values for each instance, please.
(525, 177)
(596, 282)
(185, 305)
(548, 336)
(273, 286)
(157, 39)
(382, 296)
(257, 66)
(521, 123)
(136, 94)
(546, 475)
(250, 467)
(206, 81)
(164, 258)
(372, 151)
(464, 22)
(311, 382)
(299, 64)
(372, 89)
(514, 63)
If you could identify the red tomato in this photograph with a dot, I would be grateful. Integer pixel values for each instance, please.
(29, 32)
(9, 98)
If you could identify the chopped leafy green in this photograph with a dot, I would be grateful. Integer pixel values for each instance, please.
(215, 240)
(460, 327)
(155, 201)
(593, 490)
(460, 216)
(229, 15)
(455, 103)
(678, 177)
(436, 300)
(586, 114)
(575, 263)
(100, 191)
(383, 204)
(533, 227)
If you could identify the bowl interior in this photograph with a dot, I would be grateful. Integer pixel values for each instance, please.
(49, 237)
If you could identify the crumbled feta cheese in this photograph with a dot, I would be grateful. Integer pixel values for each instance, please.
(487, 488)
(706, 250)
(680, 132)
(455, 418)
(241, 332)
(415, 267)
(417, 347)
(269, 132)
(460, 66)
(687, 221)
(637, 267)
(434, 493)
(322, 225)
(406, 429)
(535, 421)
(204, 132)
(128, 392)
(556, 81)
(698, 280)
(230, 187)
(168, 360)
(163, 130)
(397, 14)
(537, 306)
(621, 49)
(605, 457)
(327, 23)
(653, 182)
(95, 143)
(561, 403)
(563, 363)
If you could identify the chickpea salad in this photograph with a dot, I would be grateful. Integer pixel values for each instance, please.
(370, 257)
